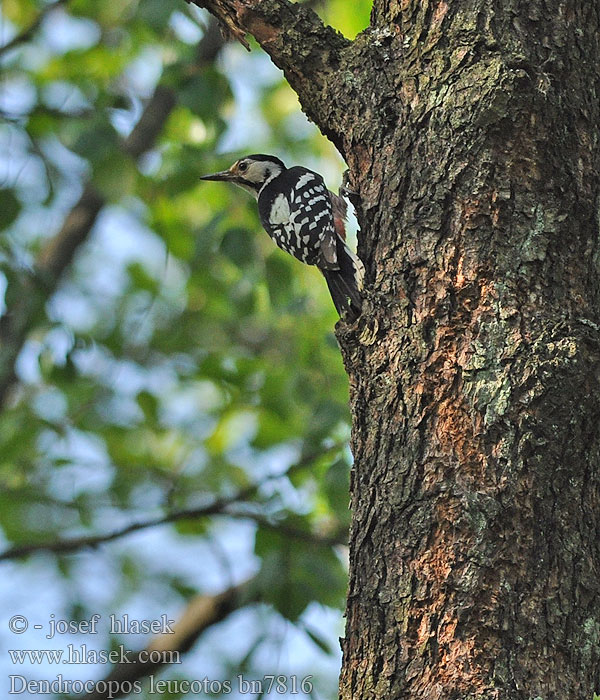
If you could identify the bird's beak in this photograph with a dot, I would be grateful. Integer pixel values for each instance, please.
(223, 175)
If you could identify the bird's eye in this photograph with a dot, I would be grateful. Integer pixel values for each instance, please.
(242, 167)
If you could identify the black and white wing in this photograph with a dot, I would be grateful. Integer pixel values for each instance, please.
(295, 210)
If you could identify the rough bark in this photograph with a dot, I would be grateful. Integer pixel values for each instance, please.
(472, 134)
(476, 397)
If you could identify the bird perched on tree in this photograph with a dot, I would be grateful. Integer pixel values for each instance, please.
(305, 219)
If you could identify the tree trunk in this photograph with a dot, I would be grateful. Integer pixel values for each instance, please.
(471, 129)
(475, 374)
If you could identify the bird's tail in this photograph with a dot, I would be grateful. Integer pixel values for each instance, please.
(345, 283)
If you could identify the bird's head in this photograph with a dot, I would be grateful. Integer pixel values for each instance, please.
(251, 173)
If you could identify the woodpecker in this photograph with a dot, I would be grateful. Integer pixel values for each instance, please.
(305, 219)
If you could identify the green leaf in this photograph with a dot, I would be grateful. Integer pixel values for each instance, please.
(114, 174)
(202, 91)
(155, 13)
(238, 245)
(140, 278)
(322, 643)
(336, 486)
(349, 23)
(149, 405)
(10, 207)
(295, 572)
(95, 139)
(279, 279)
(192, 527)
(272, 430)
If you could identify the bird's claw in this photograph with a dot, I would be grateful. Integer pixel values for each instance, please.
(347, 191)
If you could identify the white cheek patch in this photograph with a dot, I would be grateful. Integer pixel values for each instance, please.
(280, 210)
(256, 172)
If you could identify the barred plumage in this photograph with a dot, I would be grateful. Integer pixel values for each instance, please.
(305, 219)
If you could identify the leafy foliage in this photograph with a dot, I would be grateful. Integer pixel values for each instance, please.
(182, 358)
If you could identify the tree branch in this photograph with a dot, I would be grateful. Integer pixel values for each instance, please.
(202, 612)
(338, 537)
(216, 507)
(57, 255)
(308, 52)
(73, 544)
